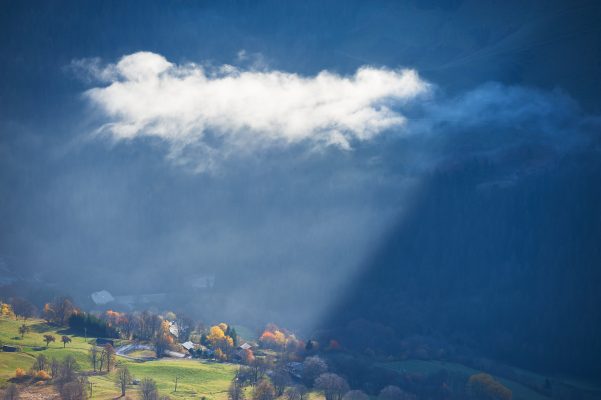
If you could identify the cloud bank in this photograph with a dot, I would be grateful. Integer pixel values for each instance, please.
(192, 105)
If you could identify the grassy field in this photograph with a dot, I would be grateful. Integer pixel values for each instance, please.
(195, 378)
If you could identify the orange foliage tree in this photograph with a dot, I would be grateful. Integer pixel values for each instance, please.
(484, 386)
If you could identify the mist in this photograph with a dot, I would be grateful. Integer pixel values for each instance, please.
(452, 189)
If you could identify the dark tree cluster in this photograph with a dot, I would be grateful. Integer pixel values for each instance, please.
(85, 323)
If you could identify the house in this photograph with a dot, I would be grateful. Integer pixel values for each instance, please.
(173, 328)
(245, 346)
(295, 369)
(242, 349)
(188, 346)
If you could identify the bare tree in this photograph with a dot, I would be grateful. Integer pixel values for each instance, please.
(236, 390)
(394, 393)
(62, 307)
(296, 392)
(11, 392)
(108, 352)
(332, 385)
(54, 367)
(73, 390)
(148, 389)
(93, 355)
(280, 380)
(258, 368)
(68, 369)
(264, 391)
(312, 368)
(123, 380)
(355, 395)
(41, 362)
(184, 326)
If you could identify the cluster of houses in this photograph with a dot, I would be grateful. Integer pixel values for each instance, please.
(199, 350)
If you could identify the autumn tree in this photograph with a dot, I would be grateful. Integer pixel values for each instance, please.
(23, 329)
(231, 332)
(49, 339)
(219, 340)
(264, 391)
(123, 380)
(248, 357)
(332, 386)
(65, 340)
(485, 387)
(220, 355)
(312, 368)
(6, 310)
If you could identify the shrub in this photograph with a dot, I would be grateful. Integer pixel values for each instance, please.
(20, 373)
(42, 375)
(485, 387)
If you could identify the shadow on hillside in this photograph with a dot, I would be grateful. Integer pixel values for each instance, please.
(68, 331)
(40, 327)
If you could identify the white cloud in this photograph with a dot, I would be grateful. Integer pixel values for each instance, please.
(190, 105)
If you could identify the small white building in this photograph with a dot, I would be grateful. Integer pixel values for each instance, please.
(245, 346)
(173, 329)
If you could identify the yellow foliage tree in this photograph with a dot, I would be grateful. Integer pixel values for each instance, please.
(165, 327)
(6, 310)
(216, 335)
(220, 355)
(223, 326)
(280, 338)
(20, 373)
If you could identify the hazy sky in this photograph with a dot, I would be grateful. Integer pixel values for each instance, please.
(272, 144)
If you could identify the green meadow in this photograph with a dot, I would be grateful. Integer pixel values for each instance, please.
(196, 379)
